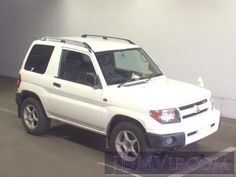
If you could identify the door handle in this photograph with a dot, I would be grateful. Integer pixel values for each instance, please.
(56, 84)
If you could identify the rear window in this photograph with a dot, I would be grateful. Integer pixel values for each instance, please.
(39, 58)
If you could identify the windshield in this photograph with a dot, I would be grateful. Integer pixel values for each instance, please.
(126, 65)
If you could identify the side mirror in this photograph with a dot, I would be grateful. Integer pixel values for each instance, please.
(200, 81)
(94, 80)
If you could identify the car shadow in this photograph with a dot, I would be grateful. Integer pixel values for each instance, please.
(79, 136)
(94, 140)
(98, 142)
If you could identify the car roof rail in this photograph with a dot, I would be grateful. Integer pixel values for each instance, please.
(107, 37)
(67, 41)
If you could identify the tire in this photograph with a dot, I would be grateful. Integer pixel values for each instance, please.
(34, 118)
(128, 131)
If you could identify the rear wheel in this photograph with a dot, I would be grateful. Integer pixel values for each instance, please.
(129, 144)
(34, 118)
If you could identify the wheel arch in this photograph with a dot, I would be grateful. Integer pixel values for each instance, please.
(22, 96)
(116, 120)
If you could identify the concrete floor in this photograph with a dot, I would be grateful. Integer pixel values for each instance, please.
(65, 150)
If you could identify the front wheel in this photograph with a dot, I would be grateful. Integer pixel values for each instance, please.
(34, 118)
(128, 142)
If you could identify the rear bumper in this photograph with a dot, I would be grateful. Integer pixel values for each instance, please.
(18, 99)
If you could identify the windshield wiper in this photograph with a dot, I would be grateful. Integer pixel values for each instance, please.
(141, 78)
(130, 80)
(152, 76)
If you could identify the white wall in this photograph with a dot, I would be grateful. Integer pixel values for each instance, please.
(20, 23)
(187, 38)
(8, 38)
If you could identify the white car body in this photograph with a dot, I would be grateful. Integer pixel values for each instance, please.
(93, 109)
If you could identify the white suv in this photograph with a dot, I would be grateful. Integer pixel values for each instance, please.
(112, 87)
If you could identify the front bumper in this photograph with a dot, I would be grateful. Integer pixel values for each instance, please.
(184, 133)
(168, 141)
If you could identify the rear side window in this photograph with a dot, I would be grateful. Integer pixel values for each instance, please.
(39, 58)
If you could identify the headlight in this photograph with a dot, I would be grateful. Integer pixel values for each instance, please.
(165, 116)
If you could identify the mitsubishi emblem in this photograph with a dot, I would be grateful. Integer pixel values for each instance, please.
(197, 109)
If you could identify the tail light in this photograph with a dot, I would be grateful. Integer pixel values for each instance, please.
(18, 81)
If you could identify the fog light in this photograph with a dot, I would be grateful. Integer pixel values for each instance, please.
(169, 141)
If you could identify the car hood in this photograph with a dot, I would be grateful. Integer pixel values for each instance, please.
(157, 93)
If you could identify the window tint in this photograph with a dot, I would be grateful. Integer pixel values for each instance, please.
(76, 67)
(38, 58)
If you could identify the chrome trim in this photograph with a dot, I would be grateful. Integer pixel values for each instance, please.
(77, 125)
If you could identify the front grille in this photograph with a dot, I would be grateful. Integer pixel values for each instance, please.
(194, 114)
(193, 109)
(192, 105)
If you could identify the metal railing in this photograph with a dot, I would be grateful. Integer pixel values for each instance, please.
(67, 41)
(107, 37)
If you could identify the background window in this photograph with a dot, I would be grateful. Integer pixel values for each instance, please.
(39, 58)
(75, 67)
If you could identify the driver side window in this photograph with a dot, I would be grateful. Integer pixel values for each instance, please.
(76, 67)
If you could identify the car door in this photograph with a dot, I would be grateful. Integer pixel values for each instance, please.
(73, 98)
